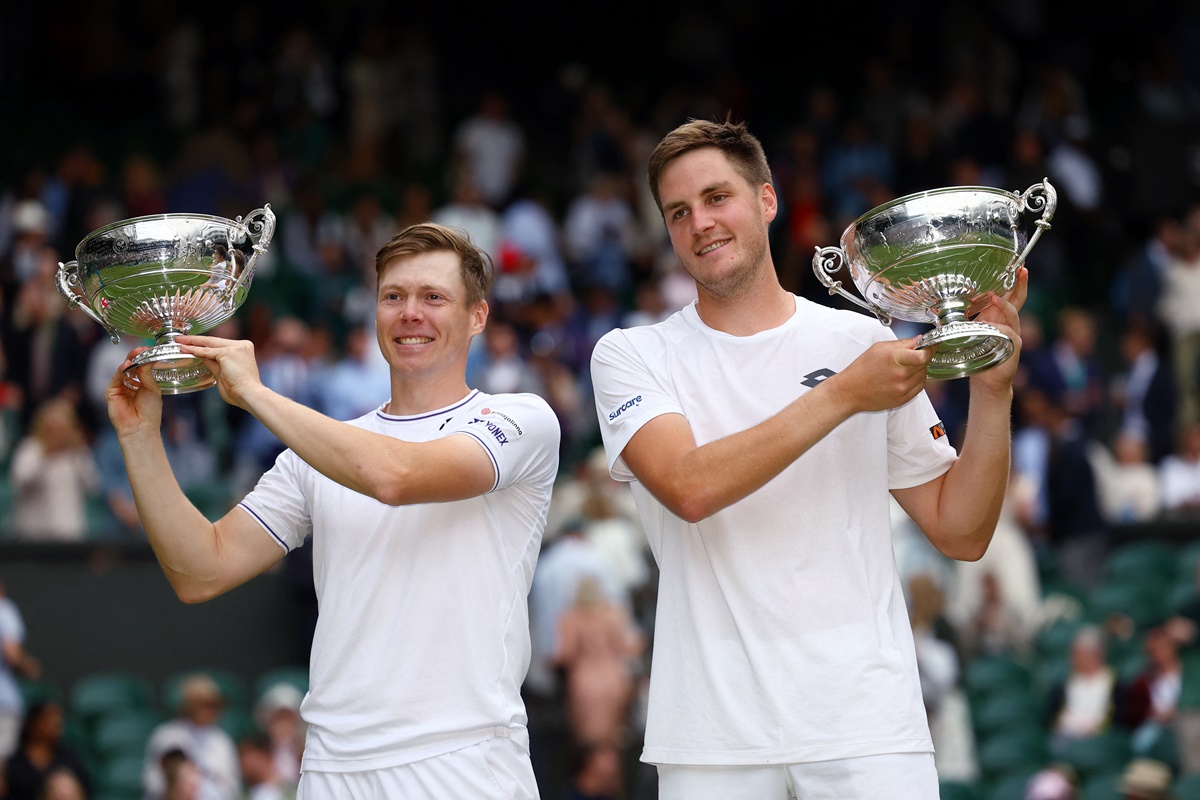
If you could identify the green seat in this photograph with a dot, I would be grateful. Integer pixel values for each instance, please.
(100, 693)
(123, 733)
(1008, 753)
(38, 691)
(1051, 671)
(232, 686)
(1102, 786)
(957, 790)
(991, 674)
(1187, 787)
(1094, 755)
(1181, 594)
(121, 777)
(1143, 601)
(1055, 639)
(1010, 786)
(1189, 559)
(1005, 711)
(1141, 560)
(238, 723)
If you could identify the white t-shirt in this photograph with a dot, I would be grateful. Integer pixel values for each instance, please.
(422, 639)
(781, 632)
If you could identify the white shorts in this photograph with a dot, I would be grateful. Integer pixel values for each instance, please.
(498, 769)
(899, 776)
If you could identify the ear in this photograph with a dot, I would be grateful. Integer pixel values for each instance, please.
(770, 201)
(479, 316)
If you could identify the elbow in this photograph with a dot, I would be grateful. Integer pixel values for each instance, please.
(690, 511)
(693, 505)
(388, 487)
(389, 493)
(192, 594)
(969, 554)
(967, 548)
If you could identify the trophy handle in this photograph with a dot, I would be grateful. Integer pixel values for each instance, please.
(1039, 196)
(260, 226)
(826, 263)
(67, 279)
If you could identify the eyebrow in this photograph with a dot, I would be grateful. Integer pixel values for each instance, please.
(425, 287)
(712, 188)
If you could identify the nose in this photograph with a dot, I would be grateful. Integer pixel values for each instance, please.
(411, 310)
(701, 219)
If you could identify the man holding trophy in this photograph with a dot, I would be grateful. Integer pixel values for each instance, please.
(426, 518)
(760, 433)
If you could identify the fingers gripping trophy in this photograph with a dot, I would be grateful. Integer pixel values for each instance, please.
(939, 257)
(166, 276)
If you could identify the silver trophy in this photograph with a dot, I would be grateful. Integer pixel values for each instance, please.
(166, 276)
(939, 257)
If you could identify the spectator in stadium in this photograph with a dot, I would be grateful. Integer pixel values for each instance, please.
(194, 733)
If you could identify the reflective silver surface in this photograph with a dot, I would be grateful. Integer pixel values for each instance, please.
(938, 257)
(164, 276)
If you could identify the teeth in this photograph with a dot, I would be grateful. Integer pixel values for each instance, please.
(711, 247)
(415, 340)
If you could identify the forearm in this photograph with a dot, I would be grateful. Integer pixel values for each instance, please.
(357, 459)
(974, 488)
(183, 539)
(711, 477)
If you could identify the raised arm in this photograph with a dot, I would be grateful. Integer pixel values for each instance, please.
(390, 470)
(959, 510)
(695, 482)
(201, 559)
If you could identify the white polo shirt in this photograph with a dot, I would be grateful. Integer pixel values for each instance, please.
(422, 637)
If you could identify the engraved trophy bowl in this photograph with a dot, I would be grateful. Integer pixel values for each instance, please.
(939, 257)
(165, 276)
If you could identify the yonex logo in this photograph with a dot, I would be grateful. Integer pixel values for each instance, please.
(493, 429)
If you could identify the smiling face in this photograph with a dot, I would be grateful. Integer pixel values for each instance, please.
(422, 317)
(717, 222)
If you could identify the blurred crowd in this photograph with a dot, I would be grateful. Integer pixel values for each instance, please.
(352, 131)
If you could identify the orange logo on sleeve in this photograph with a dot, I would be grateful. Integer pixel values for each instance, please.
(938, 430)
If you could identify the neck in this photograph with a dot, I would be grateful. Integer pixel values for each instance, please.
(760, 308)
(418, 396)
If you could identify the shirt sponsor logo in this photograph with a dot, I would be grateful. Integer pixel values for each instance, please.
(938, 430)
(814, 379)
(628, 404)
(486, 411)
(493, 428)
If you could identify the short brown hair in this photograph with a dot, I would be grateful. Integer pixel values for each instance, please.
(477, 269)
(733, 139)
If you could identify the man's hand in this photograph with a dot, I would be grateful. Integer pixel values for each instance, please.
(886, 375)
(231, 361)
(1004, 313)
(134, 411)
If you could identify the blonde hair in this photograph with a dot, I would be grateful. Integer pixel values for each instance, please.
(478, 271)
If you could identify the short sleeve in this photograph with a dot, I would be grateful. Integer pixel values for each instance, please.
(919, 448)
(628, 395)
(521, 435)
(278, 501)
